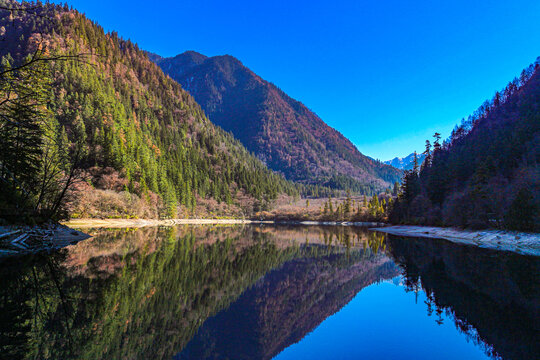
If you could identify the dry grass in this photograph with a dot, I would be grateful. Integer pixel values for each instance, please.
(89, 202)
(288, 208)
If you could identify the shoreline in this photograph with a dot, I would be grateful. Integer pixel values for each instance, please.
(65, 233)
(135, 223)
(22, 240)
(503, 240)
(120, 223)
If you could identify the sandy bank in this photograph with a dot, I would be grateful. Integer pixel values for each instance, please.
(120, 223)
(521, 243)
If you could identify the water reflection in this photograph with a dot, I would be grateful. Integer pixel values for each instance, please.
(493, 297)
(198, 292)
(142, 293)
(286, 304)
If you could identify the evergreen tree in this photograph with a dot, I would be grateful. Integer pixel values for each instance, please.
(395, 190)
(523, 212)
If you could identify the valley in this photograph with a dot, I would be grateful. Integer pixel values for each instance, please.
(227, 202)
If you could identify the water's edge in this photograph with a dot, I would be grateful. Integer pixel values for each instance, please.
(119, 223)
(22, 240)
(518, 242)
(64, 234)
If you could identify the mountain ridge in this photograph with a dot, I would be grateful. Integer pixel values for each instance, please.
(279, 130)
(139, 132)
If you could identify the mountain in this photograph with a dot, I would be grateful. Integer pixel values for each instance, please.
(279, 130)
(486, 174)
(139, 133)
(407, 162)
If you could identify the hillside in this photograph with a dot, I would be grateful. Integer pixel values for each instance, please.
(279, 130)
(486, 174)
(146, 148)
(407, 162)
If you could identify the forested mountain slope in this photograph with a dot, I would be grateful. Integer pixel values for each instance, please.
(487, 173)
(281, 131)
(137, 130)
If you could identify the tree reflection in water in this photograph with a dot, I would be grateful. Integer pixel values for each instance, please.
(492, 296)
(144, 293)
(248, 292)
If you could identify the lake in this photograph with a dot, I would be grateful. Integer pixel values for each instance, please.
(264, 292)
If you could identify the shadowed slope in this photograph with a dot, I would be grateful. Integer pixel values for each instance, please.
(281, 131)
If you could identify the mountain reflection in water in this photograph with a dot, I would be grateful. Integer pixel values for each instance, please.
(205, 292)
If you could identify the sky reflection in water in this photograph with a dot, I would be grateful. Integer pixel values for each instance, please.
(204, 292)
(385, 322)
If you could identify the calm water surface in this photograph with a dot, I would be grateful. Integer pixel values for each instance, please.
(205, 292)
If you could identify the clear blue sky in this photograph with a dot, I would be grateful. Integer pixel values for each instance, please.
(387, 74)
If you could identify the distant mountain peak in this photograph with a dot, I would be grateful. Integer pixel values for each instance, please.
(407, 162)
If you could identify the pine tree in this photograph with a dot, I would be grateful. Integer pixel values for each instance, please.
(415, 168)
(347, 204)
(522, 212)
(395, 190)
(427, 158)
(437, 142)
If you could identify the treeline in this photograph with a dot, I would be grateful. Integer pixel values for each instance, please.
(338, 181)
(375, 209)
(343, 209)
(103, 104)
(486, 174)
